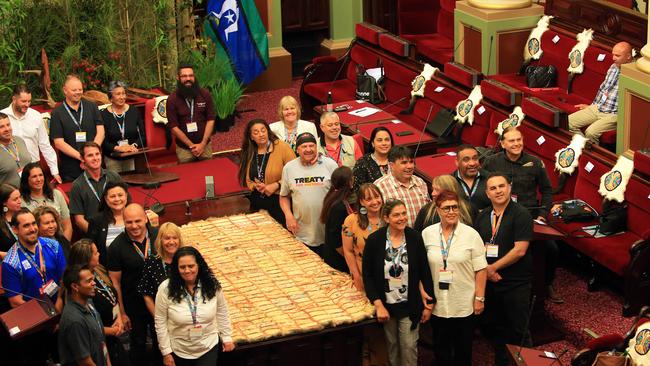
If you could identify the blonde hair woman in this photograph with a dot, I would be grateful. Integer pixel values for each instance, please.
(156, 267)
(290, 125)
(428, 214)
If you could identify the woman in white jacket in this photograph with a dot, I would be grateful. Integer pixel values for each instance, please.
(290, 125)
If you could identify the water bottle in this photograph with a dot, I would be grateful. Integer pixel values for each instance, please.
(329, 106)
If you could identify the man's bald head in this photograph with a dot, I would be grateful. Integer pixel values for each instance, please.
(73, 89)
(622, 53)
(135, 221)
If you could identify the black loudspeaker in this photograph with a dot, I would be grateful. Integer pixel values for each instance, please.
(442, 124)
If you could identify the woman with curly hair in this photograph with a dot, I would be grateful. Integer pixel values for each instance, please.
(191, 312)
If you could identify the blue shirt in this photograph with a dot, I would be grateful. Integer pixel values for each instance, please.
(19, 274)
(607, 97)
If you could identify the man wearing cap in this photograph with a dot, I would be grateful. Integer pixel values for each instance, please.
(305, 182)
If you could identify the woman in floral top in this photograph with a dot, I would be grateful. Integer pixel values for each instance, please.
(374, 164)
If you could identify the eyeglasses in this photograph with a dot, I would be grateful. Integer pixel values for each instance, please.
(450, 208)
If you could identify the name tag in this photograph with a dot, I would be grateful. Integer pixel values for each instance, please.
(513, 198)
(492, 250)
(80, 136)
(50, 288)
(26, 264)
(445, 276)
(192, 127)
(122, 142)
(394, 283)
(196, 332)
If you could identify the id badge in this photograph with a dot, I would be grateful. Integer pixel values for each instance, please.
(514, 197)
(50, 288)
(80, 136)
(116, 311)
(192, 127)
(196, 332)
(394, 283)
(122, 142)
(492, 250)
(445, 276)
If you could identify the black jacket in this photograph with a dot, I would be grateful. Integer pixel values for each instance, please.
(97, 231)
(418, 267)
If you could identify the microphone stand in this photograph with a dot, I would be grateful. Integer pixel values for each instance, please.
(417, 147)
(152, 184)
(523, 336)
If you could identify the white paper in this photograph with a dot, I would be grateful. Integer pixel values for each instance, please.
(361, 101)
(451, 153)
(539, 222)
(601, 57)
(364, 112)
(439, 89)
(396, 121)
(13, 331)
(375, 73)
(589, 167)
(481, 110)
(549, 354)
(540, 140)
(556, 39)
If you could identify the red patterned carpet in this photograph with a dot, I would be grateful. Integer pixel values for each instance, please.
(260, 105)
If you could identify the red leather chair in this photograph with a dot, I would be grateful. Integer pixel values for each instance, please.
(156, 137)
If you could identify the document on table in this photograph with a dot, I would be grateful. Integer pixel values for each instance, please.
(593, 231)
(364, 112)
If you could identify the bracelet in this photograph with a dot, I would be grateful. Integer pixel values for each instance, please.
(479, 298)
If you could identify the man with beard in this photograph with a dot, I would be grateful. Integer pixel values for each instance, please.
(190, 116)
(73, 123)
(471, 177)
(27, 123)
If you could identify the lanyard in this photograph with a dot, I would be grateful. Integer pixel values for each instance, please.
(95, 316)
(105, 291)
(11, 230)
(474, 186)
(13, 152)
(193, 305)
(496, 224)
(41, 269)
(260, 173)
(445, 251)
(190, 105)
(81, 114)
(119, 117)
(147, 248)
(92, 188)
(291, 137)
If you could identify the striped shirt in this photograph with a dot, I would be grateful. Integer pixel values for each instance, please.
(414, 195)
(607, 97)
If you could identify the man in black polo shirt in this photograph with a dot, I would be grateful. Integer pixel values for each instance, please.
(88, 188)
(81, 332)
(506, 229)
(528, 176)
(471, 177)
(126, 257)
(74, 122)
(190, 116)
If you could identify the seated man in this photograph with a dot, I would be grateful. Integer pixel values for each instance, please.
(27, 124)
(600, 116)
(73, 123)
(191, 117)
(13, 154)
(343, 149)
(88, 188)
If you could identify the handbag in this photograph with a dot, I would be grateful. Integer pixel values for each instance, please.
(577, 210)
(369, 89)
(541, 76)
(611, 359)
(613, 219)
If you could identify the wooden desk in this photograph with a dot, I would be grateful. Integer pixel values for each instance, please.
(349, 120)
(520, 356)
(142, 174)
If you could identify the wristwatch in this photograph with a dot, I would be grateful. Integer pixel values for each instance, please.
(479, 298)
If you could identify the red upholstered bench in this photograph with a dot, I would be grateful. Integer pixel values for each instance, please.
(430, 26)
(627, 254)
(155, 136)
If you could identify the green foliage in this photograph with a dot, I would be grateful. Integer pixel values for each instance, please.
(226, 96)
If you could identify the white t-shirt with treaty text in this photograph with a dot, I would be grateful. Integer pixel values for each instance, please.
(307, 187)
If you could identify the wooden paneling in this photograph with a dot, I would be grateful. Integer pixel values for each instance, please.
(638, 122)
(305, 15)
(382, 13)
(612, 24)
(510, 46)
(472, 48)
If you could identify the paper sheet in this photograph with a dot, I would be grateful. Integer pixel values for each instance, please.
(364, 112)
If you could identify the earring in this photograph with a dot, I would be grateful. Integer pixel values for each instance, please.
(5, 209)
(363, 210)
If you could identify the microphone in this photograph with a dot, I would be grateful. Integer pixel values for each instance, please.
(152, 184)
(523, 337)
(557, 357)
(417, 147)
(356, 125)
(157, 206)
(453, 55)
(490, 57)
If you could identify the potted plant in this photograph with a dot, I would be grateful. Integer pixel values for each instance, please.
(226, 97)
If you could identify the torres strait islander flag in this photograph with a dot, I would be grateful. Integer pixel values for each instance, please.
(237, 30)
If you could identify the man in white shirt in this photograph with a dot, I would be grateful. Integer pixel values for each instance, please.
(27, 124)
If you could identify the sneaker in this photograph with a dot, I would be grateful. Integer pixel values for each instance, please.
(553, 296)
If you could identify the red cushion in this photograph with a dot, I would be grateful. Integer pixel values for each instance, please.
(156, 136)
(447, 98)
(545, 114)
(586, 84)
(476, 133)
(436, 165)
(369, 32)
(608, 137)
(462, 74)
(395, 45)
(495, 118)
(641, 162)
(434, 46)
(342, 90)
(445, 25)
(493, 90)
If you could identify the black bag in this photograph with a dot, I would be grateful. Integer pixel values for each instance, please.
(368, 88)
(578, 210)
(541, 76)
(442, 124)
(613, 218)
